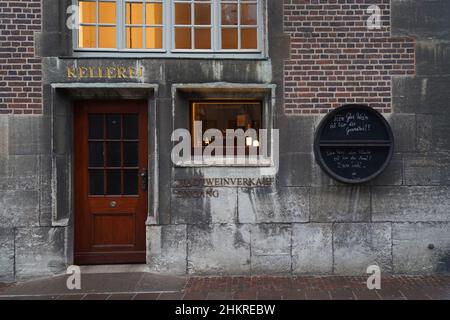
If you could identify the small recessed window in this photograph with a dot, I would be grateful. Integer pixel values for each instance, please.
(170, 26)
(223, 116)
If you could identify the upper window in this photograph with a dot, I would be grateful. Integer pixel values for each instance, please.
(170, 26)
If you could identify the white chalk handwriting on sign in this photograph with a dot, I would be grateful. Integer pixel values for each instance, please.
(351, 122)
(346, 159)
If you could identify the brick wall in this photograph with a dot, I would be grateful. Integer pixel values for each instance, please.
(20, 69)
(335, 59)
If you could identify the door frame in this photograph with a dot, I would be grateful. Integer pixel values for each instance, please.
(61, 117)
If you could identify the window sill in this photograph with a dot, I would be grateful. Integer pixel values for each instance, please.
(114, 54)
(224, 162)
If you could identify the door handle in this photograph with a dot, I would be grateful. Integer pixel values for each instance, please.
(144, 179)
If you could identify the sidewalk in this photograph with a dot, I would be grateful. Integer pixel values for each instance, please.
(146, 286)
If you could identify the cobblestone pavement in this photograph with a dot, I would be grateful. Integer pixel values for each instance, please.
(145, 286)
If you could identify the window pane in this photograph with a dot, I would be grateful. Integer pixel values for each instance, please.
(249, 14)
(183, 38)
(96, 182)
(87, 37)
(107, 12)
(154, 14)
(134, 13)
(249, 38)
(135, 38)
(107, 37)
(229, 38)
(202, 38)
(130, 126)
(114, 182)
(87, 12)
(130, 154)
(113, 157)
(130, 182)
(96, 154)
(182, 13)
(154, 38)
(229, 14)
(96, 126)
(202, 14)
(113, 126)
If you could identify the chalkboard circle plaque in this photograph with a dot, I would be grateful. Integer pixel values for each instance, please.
(354, 144)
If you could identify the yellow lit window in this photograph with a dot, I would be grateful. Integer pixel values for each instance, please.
(196, 25)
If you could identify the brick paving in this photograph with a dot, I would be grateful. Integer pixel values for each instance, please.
(143, 286)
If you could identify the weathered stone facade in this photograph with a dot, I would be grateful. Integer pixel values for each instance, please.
(304, 223)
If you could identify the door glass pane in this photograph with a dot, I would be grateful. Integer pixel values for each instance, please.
(249, 38)
(154, 13)
(135, 37)
(202, 14)
(229, 14)
(96, 154)
(96, 126)
(96, 182)
(183, 38)
(87, 12)
(154, 38)
(130, 126)
(183, 13)
(130, 182)
(134, 13)
(113, 158)
(229, 38)
(113, 126)
(248, 14)
(130, 154)
(107, 12)
(202, 38)
(106, 37)
(87, 37)
(114, 182)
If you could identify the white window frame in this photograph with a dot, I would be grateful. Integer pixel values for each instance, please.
(168, 49)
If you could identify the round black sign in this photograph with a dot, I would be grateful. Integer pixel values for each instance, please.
(353, 144)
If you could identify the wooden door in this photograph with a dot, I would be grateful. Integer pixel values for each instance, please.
(111, 199)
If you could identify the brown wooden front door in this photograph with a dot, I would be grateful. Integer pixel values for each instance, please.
(110, 178)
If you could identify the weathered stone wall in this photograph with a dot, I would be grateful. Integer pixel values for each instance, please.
(305, 223)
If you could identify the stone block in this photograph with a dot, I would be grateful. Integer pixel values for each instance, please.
(6, 254)
(40, 251)
(295, 169)
(19, 208)
(432, 57)
(219, 249)
(393, 175)
(427, 169)
(3, 145)
(404, 130)
(312, 248)
(23, 166)
(203, 206)
(421, 19)
(346, 203)
(167, 249)
(421, 95)
(411, 204)
(271, 248)
(263, 205)
(359, 245)
(296, 134)
(412, 253)
(24, 134)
